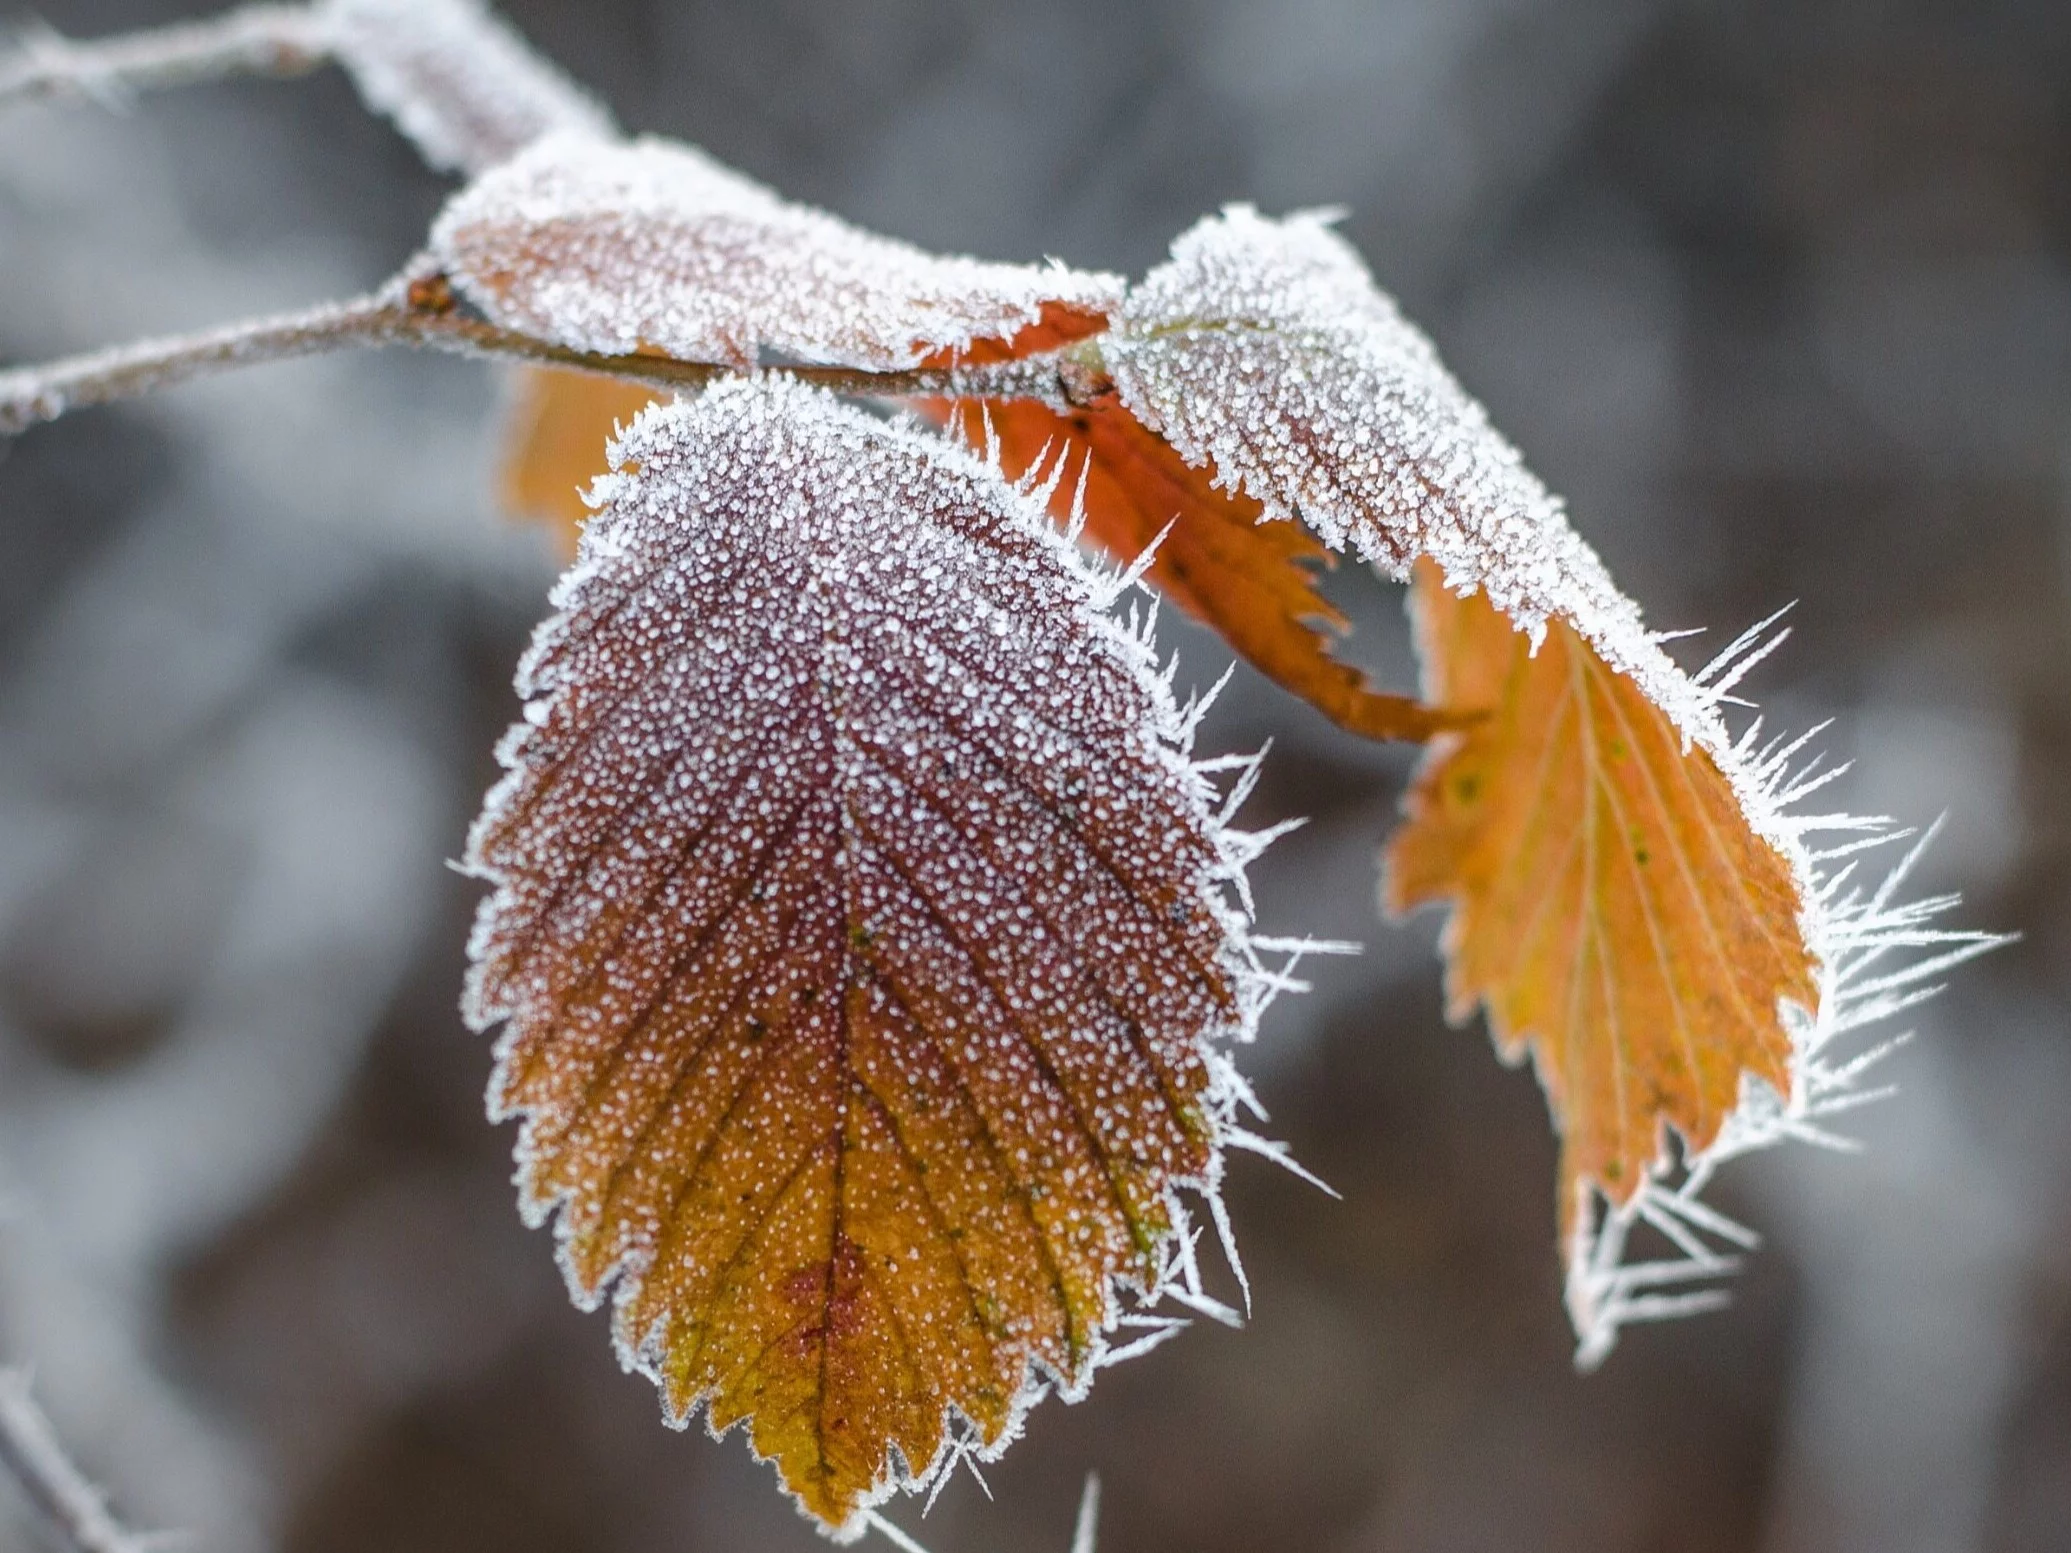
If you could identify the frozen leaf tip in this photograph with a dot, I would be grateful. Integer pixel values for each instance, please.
(1637, 909)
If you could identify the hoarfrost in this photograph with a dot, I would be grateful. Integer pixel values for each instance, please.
(1877, 956)
(1263, 350)
(615, 247)
(458, 81)
(858, 906)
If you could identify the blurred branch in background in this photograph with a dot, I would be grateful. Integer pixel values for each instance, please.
(275, 40)
(32, 1452)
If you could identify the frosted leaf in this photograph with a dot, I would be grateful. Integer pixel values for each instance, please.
(861, 933)
(1613, 911)
(652, 245)
(1252, 583)
(460, 82)
(1263, 349)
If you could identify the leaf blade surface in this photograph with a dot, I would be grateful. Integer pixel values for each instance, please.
(859, 941)
(614, 247)
(1613, 910)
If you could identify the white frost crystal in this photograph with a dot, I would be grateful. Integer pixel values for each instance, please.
(615, 247)
(1263, 350)
(839, 792)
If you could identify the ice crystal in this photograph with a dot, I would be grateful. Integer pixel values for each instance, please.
(618, 247)
(1877, 955)
(455, 78)
(858, 911)
(1263, 350)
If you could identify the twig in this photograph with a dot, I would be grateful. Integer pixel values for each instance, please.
(1086, 1529)
(423, 315)
(31, 1451)
(32, 394)
(271, 40)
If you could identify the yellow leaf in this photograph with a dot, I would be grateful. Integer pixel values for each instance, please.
(555, 434)
(1613, 910)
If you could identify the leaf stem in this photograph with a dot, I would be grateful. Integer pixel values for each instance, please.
(32, 1452)
(421, 313)
(268, 40)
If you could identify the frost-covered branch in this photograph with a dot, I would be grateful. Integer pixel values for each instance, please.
(458, 81)
(29, 395)
(266, 40)
(32, 1453)
(422, 315)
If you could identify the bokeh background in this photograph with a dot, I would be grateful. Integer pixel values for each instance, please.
(1778, 293)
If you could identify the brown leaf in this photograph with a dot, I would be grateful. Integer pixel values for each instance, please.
(554, 438)
(1613, 910)
(1250, 580)
(860, 936)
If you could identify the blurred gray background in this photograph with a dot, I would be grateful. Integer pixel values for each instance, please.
(1778, 293)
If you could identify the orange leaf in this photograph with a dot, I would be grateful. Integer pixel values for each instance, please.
(555, 434)
(861, 938)
(1250, 580)
(1613, 910)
